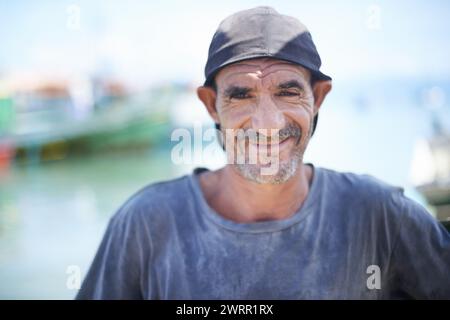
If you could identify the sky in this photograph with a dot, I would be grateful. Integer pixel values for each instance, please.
(157, 41)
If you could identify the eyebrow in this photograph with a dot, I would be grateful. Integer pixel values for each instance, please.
(234, 90)
(290, 84)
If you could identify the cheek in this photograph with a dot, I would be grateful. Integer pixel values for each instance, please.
(236, 116)
(303, 116)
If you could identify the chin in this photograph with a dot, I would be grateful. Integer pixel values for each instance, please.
(275, 173)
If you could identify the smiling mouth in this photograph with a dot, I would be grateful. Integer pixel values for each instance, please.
(270, 144)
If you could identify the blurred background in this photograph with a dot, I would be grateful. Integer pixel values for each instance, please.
(90, 92)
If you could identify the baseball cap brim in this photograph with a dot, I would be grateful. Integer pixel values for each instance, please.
(317, 75)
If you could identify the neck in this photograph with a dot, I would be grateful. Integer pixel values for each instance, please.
(240, 200)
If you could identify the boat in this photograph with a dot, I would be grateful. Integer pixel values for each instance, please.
(52, 120)
(431, 173)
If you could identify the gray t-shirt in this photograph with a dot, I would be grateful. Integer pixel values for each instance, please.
(354, 237)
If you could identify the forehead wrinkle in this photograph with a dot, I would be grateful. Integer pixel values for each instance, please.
(259, 68)
(231, 75)
(273, 72)
(261, 72)
(269, 78)
(261, 64)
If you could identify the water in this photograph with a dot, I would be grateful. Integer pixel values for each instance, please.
(53, 216)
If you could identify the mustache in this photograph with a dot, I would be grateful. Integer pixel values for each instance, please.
(257, 135)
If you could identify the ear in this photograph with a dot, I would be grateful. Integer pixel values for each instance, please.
(320, 91)
(208, 96)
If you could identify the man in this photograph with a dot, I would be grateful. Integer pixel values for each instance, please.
(272, 228)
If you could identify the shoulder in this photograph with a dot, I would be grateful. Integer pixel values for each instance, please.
(373, 194)
(359, 185)
(381, 209)
(153, 202)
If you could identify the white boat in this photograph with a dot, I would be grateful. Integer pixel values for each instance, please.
(430, 173)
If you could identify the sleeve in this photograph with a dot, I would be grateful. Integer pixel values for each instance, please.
(421, 254)
(119, 264)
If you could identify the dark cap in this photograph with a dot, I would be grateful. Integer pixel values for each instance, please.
(262, 32)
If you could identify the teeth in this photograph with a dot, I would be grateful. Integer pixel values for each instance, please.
(256, 142)
(268, 144)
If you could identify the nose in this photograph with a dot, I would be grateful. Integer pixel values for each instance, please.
(267, 115)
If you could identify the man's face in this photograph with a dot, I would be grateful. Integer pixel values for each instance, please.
(273, 98)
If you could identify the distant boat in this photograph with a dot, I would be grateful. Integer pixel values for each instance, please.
(431, 173)
(47, 123)
(446, 224)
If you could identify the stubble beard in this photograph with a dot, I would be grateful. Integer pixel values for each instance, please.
(286, 168)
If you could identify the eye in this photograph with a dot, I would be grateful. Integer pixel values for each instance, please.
(239, 95)
(286, 93)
